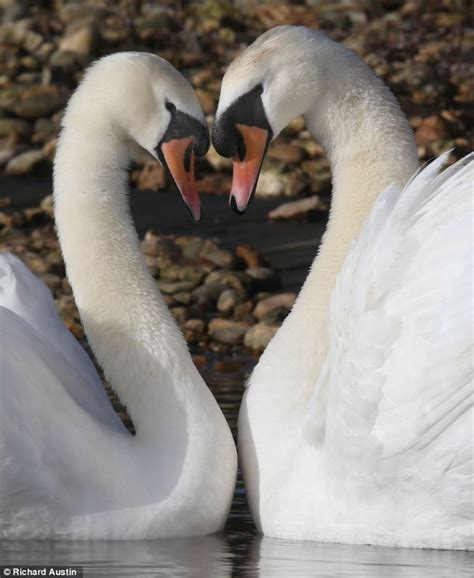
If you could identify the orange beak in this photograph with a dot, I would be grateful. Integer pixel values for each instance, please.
(246, 170)
(179, 158)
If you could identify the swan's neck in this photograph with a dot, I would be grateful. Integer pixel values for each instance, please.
(370, 145)
(129, 327)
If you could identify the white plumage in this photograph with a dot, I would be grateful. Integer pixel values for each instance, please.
(357, 423)
(68, 467)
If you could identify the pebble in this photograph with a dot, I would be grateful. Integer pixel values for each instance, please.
(183, 273)
(24, 163)
(232, 279)
(228, 331)
(269, 306)
(208, 293)
(217, 162)
(270, 183)
(79, 38)
(259, 336)
(242, 311)
(219, 257)
(152, 177)
(249, 255)
(298, 210)
(5, 156)
(14, 126)
(180, 314)
(264, 278)
(37, 101)
(228, 299)
(170, 287)
(286, 153)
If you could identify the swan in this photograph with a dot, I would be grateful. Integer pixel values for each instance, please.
(356, 424)
(68, 467)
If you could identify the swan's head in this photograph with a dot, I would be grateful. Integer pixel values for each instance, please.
(144, 101)
(264, 88)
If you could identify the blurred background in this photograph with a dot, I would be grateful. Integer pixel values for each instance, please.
(229, 281)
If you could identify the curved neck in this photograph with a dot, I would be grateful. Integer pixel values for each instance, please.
(129, 327)
(370, 146)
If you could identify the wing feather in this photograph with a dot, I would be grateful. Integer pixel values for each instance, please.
(398, 378)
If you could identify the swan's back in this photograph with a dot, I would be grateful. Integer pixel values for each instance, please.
(46, 381)
(399, 370)
(28, 297)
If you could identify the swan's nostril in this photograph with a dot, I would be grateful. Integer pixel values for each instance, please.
(187, 157)
(241, 149)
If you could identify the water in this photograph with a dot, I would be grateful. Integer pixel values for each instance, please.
(246, 555)
(238, 551)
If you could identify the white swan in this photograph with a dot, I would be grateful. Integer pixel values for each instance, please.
(357, 423)
(68, 467)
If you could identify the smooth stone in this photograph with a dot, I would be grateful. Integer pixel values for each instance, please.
(37, 101)
(233, 279)
(5, 156)
(217, 162)
(24, 163)
(190, 246)
(274, 303)
(80, 12)
(52, 281)
(270, 183)
(32, 41)
(171, 287)
(273, 182)
(65, 61)
(227, 331)
(194, 330)
(154, 270)
(295, 126)
(286, 153)
(180, 314)
(79, 38)
(228, 299)
(259, 336)
(44, 129)
(208, 293)
(249, 255)
(298, 210)
(14, 126)
(182, 273)
(218, 256)
(151, 178)
(160, 247)
(183, 297)
(195, 325)
(242, 311)
(206, 100)
(264, 279)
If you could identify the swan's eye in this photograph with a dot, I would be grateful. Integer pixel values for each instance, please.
(171, 107)
(258, 89)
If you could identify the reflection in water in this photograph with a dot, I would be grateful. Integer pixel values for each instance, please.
(195, 557)
(272, 558)
(239, 552)
(211, 557)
